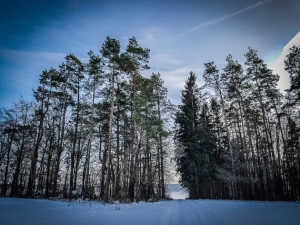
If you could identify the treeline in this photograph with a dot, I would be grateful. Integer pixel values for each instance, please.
(97, 130)
(101, 130)
(241, 139)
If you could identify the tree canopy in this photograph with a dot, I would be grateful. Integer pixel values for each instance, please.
(103, 130)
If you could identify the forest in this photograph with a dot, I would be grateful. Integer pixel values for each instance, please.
(102, 130)
(242, 141)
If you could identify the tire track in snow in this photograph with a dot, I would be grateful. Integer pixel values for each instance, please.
(174, 215)
(179, 215)
(188, 212)
(61, 218)
(166, 216)
(193, 213)
(206, 214)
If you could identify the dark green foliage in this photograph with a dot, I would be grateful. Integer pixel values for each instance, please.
(246, 118)
(197, 156)
(103, 129)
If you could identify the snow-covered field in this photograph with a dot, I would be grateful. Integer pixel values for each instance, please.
(177, 192)
(45, 212)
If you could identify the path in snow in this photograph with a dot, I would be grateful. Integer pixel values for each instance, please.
(181, 212)
(177, 192)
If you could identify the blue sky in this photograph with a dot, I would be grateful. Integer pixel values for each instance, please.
(182, 36)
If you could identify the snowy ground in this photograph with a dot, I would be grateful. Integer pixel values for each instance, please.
(177, 192)
(181, 212)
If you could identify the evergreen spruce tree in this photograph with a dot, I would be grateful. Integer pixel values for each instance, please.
(187, 122)
(197, 143)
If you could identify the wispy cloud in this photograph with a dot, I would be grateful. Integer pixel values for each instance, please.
(217, 20)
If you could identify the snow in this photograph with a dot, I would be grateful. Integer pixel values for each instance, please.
(177, 192)
(15, 211)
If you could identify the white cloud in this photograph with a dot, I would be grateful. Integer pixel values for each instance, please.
(278, 65)
(174, 81)
(174, 73)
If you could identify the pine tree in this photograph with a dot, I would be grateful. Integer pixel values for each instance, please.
(291, 153)
(236, 87)
(199, 157)
(163, 107)
(292, 66)
(212, 80)
(187, 123)
(110, 51)
(265, 99)
(43, 94)
(133, 61)
(95, 79)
